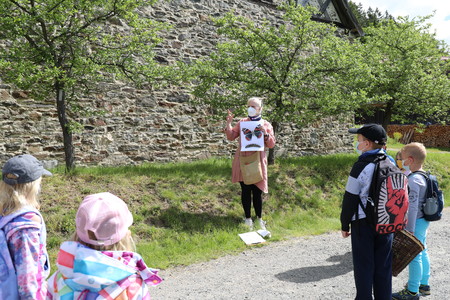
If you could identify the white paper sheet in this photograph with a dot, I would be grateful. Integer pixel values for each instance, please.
(252, 138)
(251, 238)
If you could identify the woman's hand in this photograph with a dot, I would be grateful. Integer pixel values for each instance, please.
(230, 117)
(265, 133)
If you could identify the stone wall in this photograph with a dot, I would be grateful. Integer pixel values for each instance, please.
(131, 133)
(140, 125)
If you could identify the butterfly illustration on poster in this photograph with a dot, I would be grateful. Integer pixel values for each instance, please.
(252, 136)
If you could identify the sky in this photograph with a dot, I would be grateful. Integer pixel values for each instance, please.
(412, 8)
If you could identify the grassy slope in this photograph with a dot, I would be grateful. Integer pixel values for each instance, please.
(190, 212)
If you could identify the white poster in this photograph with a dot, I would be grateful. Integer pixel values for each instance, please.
(252, 136)
(251, 238)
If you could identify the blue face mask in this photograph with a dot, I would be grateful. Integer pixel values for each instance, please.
(357, 150)
(405, 167)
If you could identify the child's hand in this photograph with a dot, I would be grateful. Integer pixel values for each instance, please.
(345, 234)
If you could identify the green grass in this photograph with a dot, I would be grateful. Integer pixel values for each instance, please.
(191, 212)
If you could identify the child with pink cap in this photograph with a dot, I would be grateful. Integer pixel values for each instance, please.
(100, 262)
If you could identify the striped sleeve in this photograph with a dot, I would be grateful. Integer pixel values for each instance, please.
(351, 197)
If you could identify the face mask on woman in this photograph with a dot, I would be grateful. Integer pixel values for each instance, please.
(252, 112)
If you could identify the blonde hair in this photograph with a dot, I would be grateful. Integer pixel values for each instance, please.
(125, 244)
(257, 100)
(416, 150)
(14, 197)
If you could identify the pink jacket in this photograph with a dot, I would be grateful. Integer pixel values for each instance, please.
(26, 238)
(269, 142)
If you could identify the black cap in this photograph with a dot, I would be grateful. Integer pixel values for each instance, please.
(373, 132)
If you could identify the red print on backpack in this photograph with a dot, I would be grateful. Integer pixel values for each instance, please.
(396, 206)
(393, 205)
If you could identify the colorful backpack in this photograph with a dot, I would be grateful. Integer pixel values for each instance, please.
(388, 202)
(8, 277)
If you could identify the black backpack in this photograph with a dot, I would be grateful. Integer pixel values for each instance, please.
(434, 201)
(387, 204)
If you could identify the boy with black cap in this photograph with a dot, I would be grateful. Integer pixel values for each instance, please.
(372, 256)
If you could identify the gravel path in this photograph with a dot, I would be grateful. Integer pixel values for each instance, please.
(313, 267)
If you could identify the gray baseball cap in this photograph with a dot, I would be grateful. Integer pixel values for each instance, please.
(22, 169)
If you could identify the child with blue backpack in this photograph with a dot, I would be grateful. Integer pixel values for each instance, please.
(413, 156)
(24, 263)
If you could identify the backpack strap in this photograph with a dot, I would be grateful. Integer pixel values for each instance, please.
(430, 190)
(423, 173)
(8, 218)
(378, 158)
(375, 159)
(8, 284)
(4, 220)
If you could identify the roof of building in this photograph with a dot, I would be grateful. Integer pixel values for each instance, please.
(335, 11)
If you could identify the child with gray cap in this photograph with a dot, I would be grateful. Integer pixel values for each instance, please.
(24, 263)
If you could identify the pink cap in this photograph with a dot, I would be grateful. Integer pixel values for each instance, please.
(106, 216)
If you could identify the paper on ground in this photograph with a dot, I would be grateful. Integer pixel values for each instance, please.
(264, 233)
(251, 238)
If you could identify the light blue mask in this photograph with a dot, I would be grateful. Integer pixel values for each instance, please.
(405, 167)
(357, 150)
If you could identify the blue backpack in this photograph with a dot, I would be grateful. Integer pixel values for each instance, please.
(434, 202)
(8, 277)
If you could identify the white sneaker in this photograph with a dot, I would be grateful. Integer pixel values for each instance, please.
(249, 223)
(262, 224)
